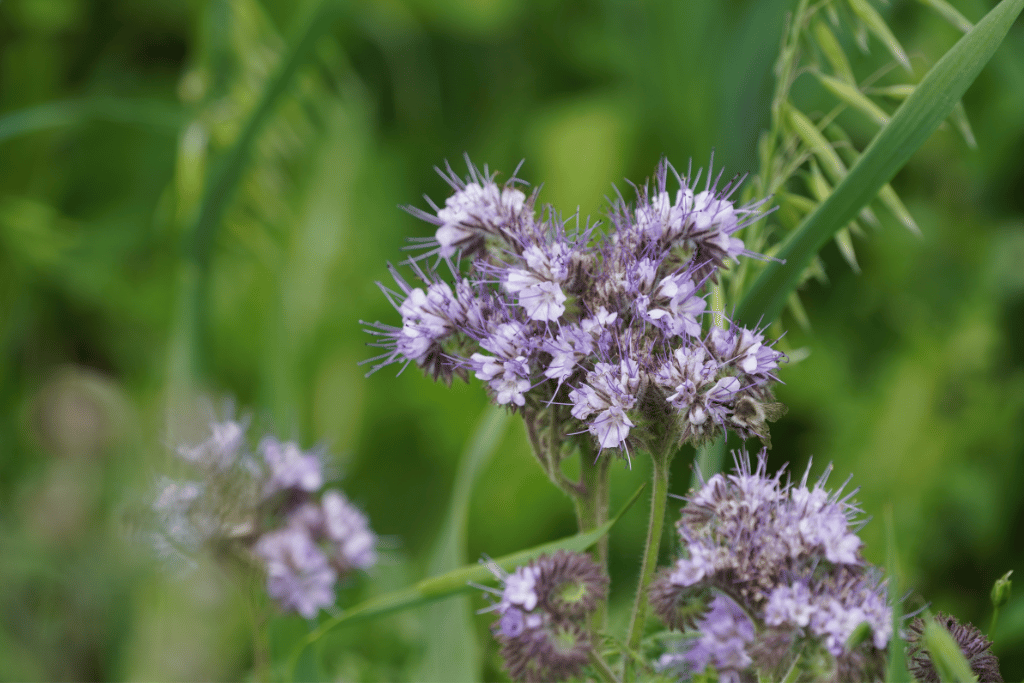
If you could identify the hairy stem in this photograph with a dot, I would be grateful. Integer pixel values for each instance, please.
(592, 512)
(656, 524)
(604, 672)
(548, 452)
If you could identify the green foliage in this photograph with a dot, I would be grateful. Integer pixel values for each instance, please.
(913, 123)
(945, 654)
(139, 138)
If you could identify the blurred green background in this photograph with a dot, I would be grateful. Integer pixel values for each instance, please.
(114, 117)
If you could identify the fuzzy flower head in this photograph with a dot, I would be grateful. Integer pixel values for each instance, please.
(789, 555)
(975, 647)
(605, 332)
(267, 508)
(542, 609)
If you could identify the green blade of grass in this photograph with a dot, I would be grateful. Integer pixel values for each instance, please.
(230, 168)
(950, 14)
(896, 669)
(854, 98)
(227, 173)
(149, 113)
(454, 582)
(833, 51)
(451, 649)
(912, 124)
(948, 660)
(876, 25)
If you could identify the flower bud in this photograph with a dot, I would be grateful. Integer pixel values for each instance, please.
(1001, 590)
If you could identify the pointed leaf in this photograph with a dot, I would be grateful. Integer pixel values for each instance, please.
(959, 117)
(912, 124)
(833, 51)
(888, 197)
(855, 98)
(876, 25)
(817, 143)
(151, 113)
(899, 92)
(799, 313)
(950, 14)
(845, 244)
(860, 34)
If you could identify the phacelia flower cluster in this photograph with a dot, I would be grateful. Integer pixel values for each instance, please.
(542, 609)
(976, 648)
(266, 507)
(788, 559)
(610, 323)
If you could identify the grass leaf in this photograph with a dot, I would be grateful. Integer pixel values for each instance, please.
(876, 25)
(451, 648)
(912, 124)
(950, 14)
(149, 113)
(849, 94)
(454, 582)
(896, 671)
(833, 51)
(949, 661)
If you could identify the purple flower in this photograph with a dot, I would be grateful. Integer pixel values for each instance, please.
(348, 530)
(289, 467)
(223, 448)
(609, 392)
(299, 576)
(788, 554)
(541, 310)
(541, 611)
(726, 632)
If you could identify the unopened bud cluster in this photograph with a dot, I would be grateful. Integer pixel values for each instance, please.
(783, 562)
(542, 610)
(611, 321)
(265, 506)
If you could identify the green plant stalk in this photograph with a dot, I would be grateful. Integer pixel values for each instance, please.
(604, 672)
(591, 512)
(655, 527)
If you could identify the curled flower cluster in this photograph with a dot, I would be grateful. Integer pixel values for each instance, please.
(608, 323)
(789, 555)
(975, 647)
(268, 506)
(542, 610)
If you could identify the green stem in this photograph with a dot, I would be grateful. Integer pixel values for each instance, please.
(604, 672)
(656, 524)
(992, 625)
(592, 512)
(709, 460)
